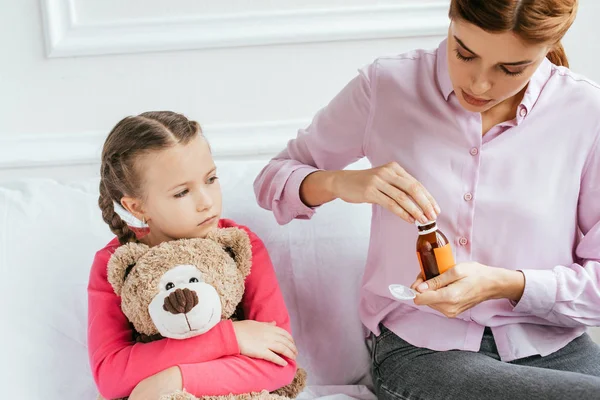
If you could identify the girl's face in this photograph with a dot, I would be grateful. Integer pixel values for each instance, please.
(488, 68)
(182, 196)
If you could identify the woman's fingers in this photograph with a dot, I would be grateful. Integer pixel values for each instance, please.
(417, 282)
(391, 205)
(416, 192)
(406, 191)
(403, 201)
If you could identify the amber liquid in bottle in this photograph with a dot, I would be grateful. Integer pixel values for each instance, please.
(433, 250)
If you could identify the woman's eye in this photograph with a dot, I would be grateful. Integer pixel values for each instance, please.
(212, 179)
(461, 57)
(182, 193)
(512, 73)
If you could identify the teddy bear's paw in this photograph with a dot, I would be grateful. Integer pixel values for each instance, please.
(264, 395)
(292, 390)
(178, 395)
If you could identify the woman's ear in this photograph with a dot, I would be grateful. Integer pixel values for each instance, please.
(237, 244)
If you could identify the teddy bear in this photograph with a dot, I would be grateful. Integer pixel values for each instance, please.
(183, 288)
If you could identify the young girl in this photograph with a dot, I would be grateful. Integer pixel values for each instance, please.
(158, 166)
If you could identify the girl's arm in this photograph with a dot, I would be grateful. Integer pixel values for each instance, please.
(262, 302)
(118, 364)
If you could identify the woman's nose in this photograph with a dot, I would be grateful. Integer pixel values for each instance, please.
(480, 85)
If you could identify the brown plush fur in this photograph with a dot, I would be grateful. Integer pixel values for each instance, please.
(264, 395)
(208, 255)
(292, 390)
(288, 392)
(224, 258)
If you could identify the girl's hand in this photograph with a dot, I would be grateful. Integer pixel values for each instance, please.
(391, 187)
(265, 341)
(467, 284)
(159, 384)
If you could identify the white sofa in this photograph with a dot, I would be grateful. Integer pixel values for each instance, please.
(49, 232)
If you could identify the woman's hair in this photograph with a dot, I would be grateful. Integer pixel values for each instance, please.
(131, 137)
(535, 21)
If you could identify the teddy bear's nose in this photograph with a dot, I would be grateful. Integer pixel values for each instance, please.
(181, 301)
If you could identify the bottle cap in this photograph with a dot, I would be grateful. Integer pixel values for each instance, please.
(402, 292)
(420, 224)
(426, 228)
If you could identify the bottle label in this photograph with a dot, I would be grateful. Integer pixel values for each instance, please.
(444, 258)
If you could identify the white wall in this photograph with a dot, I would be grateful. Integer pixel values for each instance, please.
(251, 76)
(251, 72)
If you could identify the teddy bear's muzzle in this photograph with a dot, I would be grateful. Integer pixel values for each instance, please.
(181, 301)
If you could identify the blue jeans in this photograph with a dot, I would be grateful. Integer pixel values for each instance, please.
(403, 371)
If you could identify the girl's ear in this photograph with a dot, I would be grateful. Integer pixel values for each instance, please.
(121, 263)
(134, 207)
(237, 244)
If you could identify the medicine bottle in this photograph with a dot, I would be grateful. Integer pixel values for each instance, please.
(433, 250)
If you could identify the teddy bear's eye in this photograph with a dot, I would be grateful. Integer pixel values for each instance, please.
(169, 286)
(193, 280)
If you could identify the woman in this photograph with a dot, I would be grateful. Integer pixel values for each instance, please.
(496, 131)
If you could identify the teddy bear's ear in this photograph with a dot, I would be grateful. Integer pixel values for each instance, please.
(121, 263)
(237, 244)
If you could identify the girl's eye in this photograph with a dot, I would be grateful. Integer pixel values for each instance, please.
(182, 193)
(461, 57)
(212, 179)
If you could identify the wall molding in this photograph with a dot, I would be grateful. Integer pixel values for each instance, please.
(67, 36)
(230, 141)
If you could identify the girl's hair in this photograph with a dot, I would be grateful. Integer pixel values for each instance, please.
(535, 21)
(130, 138)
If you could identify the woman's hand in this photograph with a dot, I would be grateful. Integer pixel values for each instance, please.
(467, 284)
(265, 340)
(391, 187)
(159, 384)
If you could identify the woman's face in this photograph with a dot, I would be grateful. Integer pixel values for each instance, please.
(488, 68)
